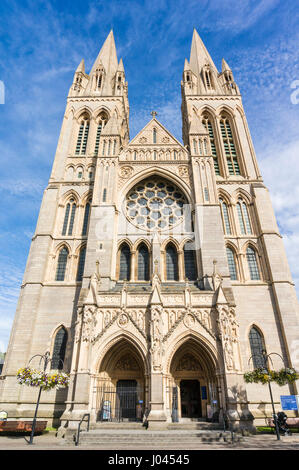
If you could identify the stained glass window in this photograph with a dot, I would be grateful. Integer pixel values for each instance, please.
(252, 264)
(124, 263)
(61, 264)
(190, 263)
(81, 263)
(58, 354)
(143, 263)
(171, 263)
(231, 264)
(257, 347)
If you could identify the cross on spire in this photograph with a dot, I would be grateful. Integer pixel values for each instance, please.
(154, 114)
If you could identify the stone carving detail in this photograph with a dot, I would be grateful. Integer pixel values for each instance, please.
(228, 332)
(165, 140)
(126, 362)
(143, 140)
(188, 362)
(123, 320)
(183, 171)
(157, 349)
(216, 277)
(126, 171)
(189, 320)
(89, 322)
(78, 325)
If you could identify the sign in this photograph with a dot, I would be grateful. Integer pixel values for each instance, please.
(140, 402)
(204, 393)
(106, 410)
(289, 402)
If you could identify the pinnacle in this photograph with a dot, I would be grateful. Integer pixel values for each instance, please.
(225, 66)
(81, 67)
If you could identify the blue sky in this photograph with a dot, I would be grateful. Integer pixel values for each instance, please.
(41, 45)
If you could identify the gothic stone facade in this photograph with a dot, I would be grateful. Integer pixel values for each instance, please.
(154, 265)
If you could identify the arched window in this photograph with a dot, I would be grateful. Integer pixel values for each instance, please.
(82, 136)
(104, 195)
(103, 118)
(124, 263)
(69, 218)
(225, 217)
(231, 264)
(154, 136)
(243, 216)
(61, 264)
(190, 262)
(171, 263)
(59, 348)
(81, 263)
(257, 346)
(143, 263)
(86, 218)
(229, 146)
(208, 125)
(252, 264)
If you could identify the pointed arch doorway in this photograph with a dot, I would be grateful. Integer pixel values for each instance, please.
(120, 394)
(192, 383)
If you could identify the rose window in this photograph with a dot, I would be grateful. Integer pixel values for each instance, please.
(155, 204)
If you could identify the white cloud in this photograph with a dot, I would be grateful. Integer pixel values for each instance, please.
(280, 170)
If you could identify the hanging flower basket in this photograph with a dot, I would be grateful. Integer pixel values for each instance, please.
(281, 377)
(37, 378)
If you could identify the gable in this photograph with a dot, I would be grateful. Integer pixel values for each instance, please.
(163, 147)
(163, 136)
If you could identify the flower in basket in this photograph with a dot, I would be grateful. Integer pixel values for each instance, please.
(37, 378)
(281, 377)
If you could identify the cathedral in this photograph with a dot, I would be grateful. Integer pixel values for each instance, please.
(157, 275)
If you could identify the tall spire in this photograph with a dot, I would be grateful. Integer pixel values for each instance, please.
(107, 56)
(104, 69)
(199, 56)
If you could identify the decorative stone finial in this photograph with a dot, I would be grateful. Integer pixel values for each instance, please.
(154, 114)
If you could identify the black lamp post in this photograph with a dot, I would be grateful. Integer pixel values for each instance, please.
(265, 360)
(46, 359)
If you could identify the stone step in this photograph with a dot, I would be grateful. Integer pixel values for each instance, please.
(132, 437)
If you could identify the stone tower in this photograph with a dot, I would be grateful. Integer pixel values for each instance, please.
(157, 274)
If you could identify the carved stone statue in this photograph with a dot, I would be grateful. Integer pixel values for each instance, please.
(217, 279)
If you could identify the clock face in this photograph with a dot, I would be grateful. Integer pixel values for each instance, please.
(155, 204)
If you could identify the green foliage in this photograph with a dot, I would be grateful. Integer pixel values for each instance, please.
(281, 377)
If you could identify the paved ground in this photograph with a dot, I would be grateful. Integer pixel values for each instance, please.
(50, 442)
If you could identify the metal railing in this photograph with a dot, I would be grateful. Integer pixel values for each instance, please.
(227, 425)
(77, 437)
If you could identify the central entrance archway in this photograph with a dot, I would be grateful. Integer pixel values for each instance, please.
(121, 385)
(192, 383)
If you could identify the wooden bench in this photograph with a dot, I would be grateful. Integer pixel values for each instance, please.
(291, 422)
(22, 426)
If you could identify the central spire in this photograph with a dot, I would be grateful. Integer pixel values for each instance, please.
(107, 56)
(199, 56)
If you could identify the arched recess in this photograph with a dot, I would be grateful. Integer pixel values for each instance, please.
(155, 173)
(192, 378)
(121, 383)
